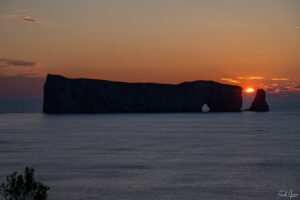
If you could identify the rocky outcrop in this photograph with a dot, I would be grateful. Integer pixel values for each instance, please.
(259, 103)
(63, 95)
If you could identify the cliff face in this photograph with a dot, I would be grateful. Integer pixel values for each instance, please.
(63, 95)
(259, 103)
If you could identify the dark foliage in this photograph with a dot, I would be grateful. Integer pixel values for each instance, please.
(19, 187)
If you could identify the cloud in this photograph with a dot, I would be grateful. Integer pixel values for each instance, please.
(25, 18)
(284, 87)
(19, 68)
(4, 62)
(280, 79)
(275, 85)
(298, 27)
(230, 80)
(263, 85)
(30, 19)
(251, 78)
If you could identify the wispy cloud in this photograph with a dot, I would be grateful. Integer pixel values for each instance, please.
(263, 85)
(4, 62)
(275, 85)
(23, 18)
(298, 27)
(30, 19)
(24, 15)
(19, 68)
(285, 87)
(251, 78)
(280, 79)
(230, 80)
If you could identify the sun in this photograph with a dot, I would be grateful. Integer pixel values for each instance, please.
(249, 90)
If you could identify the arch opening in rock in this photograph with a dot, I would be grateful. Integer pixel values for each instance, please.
(205, 108)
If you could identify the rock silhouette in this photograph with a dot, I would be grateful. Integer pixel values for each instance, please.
(259, 103)
(63, 95)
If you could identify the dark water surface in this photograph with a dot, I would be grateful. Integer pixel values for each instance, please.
(156, 156)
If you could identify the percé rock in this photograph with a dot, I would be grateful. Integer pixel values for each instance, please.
(64, 95)
(259, 103)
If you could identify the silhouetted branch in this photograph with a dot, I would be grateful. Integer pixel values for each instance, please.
(19, 187)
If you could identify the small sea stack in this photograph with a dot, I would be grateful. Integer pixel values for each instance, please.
(259, 103)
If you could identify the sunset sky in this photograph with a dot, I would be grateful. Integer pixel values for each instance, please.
(252, 43)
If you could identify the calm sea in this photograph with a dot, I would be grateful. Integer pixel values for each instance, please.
(211, 156)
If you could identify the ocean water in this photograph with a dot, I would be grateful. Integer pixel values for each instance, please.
(211, 156)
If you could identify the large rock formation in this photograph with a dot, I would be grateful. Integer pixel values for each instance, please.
(259, 103)
(63, 95)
